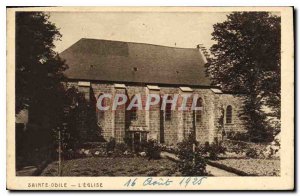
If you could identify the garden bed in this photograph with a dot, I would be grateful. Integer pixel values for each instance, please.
(250, 167)
(109, 166)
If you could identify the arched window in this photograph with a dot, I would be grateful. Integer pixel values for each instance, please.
(133, 113)
(229, 114)
(199, 112)
(168, 112)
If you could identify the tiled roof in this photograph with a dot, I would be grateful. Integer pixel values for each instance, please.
(116, 61)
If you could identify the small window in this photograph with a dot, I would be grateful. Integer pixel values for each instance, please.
(168, 112)
(229, 114)
(199, 112)
(133, 113)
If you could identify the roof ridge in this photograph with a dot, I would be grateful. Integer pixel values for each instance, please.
(135, 43)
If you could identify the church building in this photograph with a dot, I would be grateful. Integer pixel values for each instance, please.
(98, 67)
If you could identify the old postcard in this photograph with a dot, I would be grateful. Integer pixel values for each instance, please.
(150, 98)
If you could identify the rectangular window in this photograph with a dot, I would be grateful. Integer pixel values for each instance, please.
(133, 114)
(168, 115)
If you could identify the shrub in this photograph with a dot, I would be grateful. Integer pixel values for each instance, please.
(206, 148)
(170, 148)
(239, 136)
(110, 146)
(128, 140)
(238, 148)
(252, 153)
(91, 145)
(214, 149)
(152, 149)
(191, 162)
(121, 150)
(122, 147)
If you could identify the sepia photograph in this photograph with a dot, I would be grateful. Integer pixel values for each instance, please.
(166, 97)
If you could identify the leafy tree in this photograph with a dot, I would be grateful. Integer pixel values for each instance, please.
(246, 58)
(38, 67)
(39, 75)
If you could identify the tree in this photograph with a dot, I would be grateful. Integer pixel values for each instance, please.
(38, 67)
(39, 75)
(246, 58)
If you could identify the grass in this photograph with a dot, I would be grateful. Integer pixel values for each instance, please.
(257, 167)
(119, 166)
(140, 166)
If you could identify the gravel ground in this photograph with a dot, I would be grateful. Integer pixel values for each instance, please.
(105, 166)
(260, 167)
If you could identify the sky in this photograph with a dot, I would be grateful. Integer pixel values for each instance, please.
(184, 29)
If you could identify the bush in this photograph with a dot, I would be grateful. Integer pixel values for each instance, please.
(152, 149)
(91, 145)
(252, 153)
(239, 136)
(170, 148)
(238, 148)
(121, 147)
(206, 148)
(128, 140)
(121, 150)
(110, 146)
(214, 149)
(191, 162)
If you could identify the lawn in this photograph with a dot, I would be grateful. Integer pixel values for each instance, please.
(259, 167)
(107, 166)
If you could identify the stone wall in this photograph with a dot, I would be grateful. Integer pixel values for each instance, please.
(207, 127)
(119, 119)
(105, 119)
(155, 119)
(236, 102)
